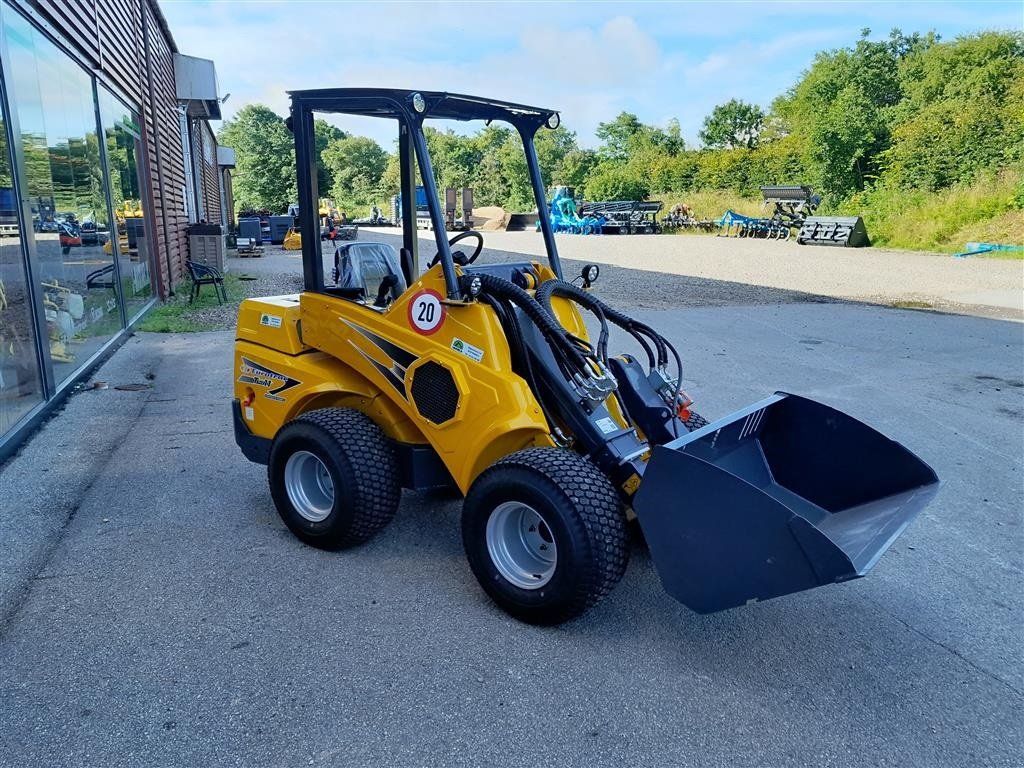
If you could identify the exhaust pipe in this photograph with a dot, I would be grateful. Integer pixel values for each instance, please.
(785, 495)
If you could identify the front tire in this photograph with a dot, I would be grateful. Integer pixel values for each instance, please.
(333, 477)
(544, 534)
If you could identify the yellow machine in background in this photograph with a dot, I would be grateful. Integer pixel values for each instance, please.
(129, 209)
(292, 240)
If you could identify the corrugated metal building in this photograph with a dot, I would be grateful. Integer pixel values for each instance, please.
(107, 158)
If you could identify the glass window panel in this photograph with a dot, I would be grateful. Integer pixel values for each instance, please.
(20, 382)
(121, 130)
(53, 99)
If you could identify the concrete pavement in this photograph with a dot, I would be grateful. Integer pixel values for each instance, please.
(171, 619)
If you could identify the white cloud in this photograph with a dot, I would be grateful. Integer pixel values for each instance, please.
(590, 61)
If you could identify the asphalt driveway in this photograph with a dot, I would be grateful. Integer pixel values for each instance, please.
(157, 613)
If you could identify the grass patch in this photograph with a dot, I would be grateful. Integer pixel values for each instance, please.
(177, 315)
(989, 210)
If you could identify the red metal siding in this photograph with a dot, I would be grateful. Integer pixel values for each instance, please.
(120, 31)
(76, 21)
(163, 141)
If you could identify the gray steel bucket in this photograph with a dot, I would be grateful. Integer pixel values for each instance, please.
(782, 496)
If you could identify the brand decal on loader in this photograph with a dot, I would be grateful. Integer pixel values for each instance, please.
(426, 312)
(261, 376)
(272, 321)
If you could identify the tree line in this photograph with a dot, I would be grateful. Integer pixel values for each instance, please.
(906, 112)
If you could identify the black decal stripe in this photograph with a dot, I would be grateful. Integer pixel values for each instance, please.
(287, 385)
(403, 357)
(386, 372)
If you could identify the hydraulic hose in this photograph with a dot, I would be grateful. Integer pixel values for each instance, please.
(520, 356)
(558, 337)
(634, 327)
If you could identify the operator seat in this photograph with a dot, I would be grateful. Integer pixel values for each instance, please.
(361, 269)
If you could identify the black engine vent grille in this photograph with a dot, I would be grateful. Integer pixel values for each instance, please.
(434, 392)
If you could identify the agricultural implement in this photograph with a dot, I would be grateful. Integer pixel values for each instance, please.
(483, 377)
(626, 217)
(792, 205)
(681, 216)
(564, 216)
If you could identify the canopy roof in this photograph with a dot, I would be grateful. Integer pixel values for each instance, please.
(395, 102)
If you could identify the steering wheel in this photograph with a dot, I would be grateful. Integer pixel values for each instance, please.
(459, 237)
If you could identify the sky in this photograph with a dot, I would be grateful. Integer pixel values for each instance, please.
(590, 61)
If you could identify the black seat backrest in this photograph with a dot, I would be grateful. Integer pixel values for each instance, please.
(360, 268)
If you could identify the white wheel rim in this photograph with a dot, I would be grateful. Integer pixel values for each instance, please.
(309, 486)
(521, 545)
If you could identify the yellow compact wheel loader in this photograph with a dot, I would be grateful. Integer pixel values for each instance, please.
(483, 377)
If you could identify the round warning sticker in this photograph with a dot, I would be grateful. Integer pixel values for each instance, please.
(426, 312)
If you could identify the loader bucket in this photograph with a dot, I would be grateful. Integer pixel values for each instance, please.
(782, 496)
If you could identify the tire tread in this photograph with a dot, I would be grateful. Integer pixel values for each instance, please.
(362, 445)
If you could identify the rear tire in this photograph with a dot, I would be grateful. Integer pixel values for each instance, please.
(333, 477)
(545, 534)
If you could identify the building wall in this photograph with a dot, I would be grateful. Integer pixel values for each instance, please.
(127, 42)
(163, 142)
(210, 181)
(93, 222)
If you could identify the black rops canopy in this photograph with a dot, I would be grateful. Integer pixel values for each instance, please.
(397, 102)
(410, 108)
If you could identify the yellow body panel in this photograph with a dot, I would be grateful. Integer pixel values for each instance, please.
(272, 322)
(323, 350)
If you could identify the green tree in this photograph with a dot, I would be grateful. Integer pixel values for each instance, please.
(962, 113)
(490, 185)
(617, 136)
(670, 140)
(391, 179)
(575, 167)
(843, 149)
(357, 165)
(733, 124)
(454, 157)
(323, 134)
(615, 183)
(512, 162)
(264, 174)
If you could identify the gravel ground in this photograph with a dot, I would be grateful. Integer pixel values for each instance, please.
(664, 272)
(618, 285)
(873, 275)
(265, 283)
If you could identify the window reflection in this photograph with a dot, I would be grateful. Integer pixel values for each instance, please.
(20, 385)
(121, 129)
(53, 99)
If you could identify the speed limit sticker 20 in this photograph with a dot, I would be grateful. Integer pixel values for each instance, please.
(426, 312)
